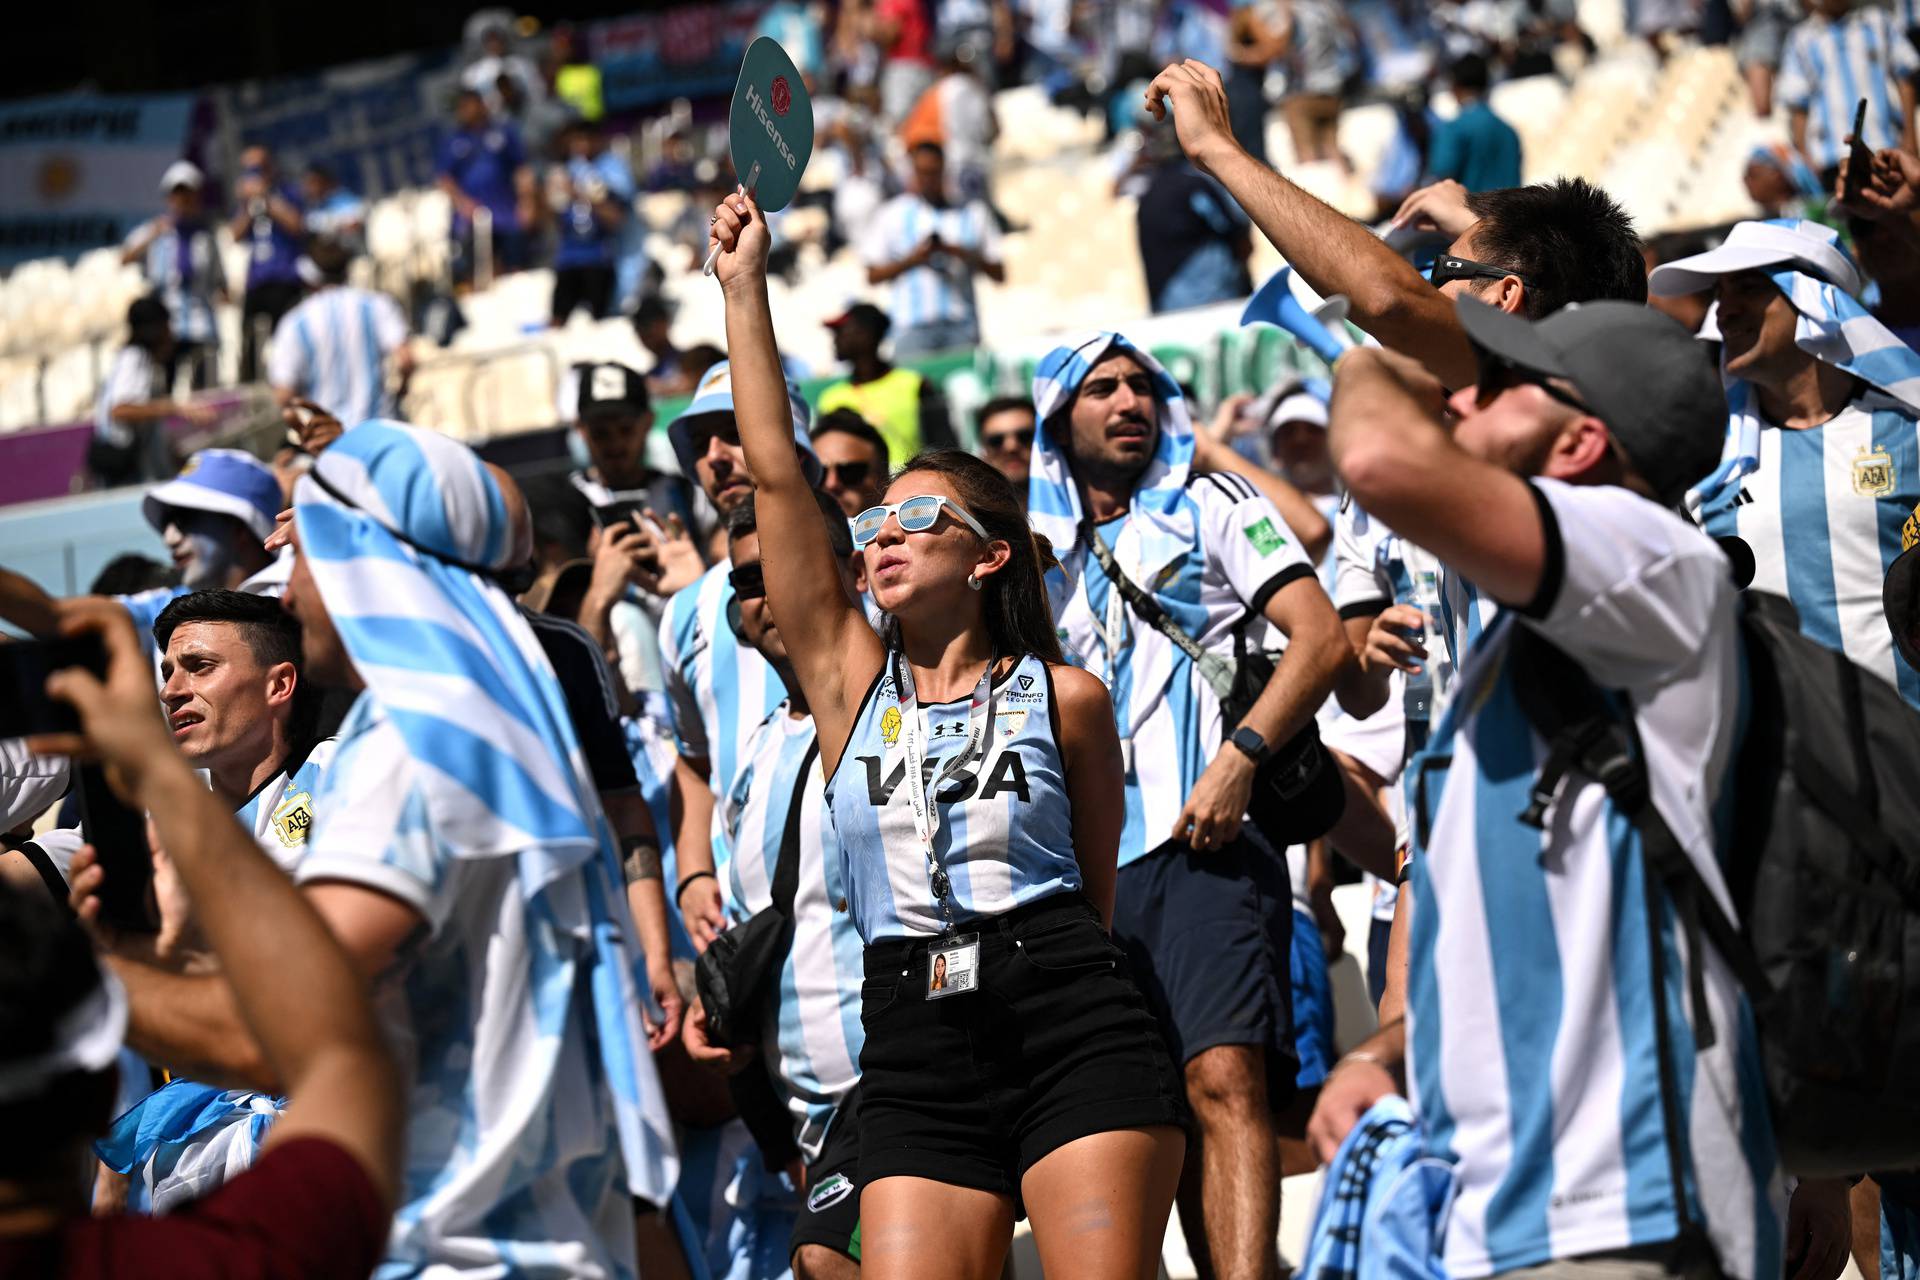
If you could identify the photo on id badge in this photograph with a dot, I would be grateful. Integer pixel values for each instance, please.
(953, 966)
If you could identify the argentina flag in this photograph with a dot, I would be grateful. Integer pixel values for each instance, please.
(400, 529)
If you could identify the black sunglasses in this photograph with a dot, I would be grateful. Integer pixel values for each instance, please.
(748, 582)
(999, 441)
(1447, 268)
(851, 474)
(1498, 374)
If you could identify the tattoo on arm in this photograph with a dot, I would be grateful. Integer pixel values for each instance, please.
(640, 856)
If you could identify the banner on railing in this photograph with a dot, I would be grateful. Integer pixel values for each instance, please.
(684, 52)
(80, 171)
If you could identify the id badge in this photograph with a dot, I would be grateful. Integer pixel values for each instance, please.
(953, 966)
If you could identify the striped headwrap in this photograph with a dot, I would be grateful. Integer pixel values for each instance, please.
(400, 528)
(1807, 263)
(1159, 526)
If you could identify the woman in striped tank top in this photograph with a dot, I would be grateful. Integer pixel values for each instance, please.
(1010, 1066)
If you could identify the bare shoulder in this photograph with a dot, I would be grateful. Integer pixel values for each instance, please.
(1079, 692)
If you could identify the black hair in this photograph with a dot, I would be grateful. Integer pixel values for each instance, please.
(126, 574)
(330, 258)
(146, 315)
(1019, 618)
(928, 144)
(848, 422)
(999, 405)
(272, 635)
(744, 521)
(699, 358)
(322, 170)
(1469, 72)
(47, 970)
(1567, 239)
(652, 307)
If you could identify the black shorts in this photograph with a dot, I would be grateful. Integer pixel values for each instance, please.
(1209, 935)
(1055, 1044)
(831, 1215)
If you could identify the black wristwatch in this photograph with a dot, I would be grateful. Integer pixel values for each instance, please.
(1251, 743)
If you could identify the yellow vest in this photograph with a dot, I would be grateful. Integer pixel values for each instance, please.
(578, 85)
(891, 403)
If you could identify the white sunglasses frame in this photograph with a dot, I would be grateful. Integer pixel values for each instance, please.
(891, 510)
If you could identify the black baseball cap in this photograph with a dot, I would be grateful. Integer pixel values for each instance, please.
(607, 389)
(1638, 369)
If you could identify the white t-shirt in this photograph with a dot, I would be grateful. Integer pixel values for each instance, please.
(1531, 1042)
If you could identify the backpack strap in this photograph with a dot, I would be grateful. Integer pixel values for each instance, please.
(1586, 732)
(786, 870)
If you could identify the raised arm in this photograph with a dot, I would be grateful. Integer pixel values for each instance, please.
(1330, 251)
(298, 992)
(835, 652)
(1403, 466)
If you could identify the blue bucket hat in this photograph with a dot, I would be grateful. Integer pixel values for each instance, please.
(713, 397)
(224, 481)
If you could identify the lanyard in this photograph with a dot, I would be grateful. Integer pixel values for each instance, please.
(913, 732)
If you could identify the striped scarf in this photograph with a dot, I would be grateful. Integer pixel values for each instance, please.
(1834, 328)
(399, 527)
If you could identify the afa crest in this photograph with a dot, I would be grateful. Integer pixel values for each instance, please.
(1873, 475)
(293, 819)
(890, 725)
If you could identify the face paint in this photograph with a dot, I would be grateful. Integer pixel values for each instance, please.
(202, 549)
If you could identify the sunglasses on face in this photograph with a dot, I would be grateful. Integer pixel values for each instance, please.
(850, 474)
(1498, 375)
(916, 515)
(748, 581)
(1002, 441)
(1447, 268)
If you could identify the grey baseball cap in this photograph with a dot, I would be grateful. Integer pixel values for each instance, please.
(1640, 371)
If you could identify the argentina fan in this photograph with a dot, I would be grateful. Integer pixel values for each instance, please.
(961, 640)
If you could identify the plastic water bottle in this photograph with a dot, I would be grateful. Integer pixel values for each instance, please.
(1418, 698)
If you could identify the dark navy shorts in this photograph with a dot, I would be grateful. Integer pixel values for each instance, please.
(830, 1214)
(1209, 936)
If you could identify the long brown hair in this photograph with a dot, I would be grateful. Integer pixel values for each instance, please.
(1019, 619)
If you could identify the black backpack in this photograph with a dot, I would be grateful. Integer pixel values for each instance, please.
(1824, 870)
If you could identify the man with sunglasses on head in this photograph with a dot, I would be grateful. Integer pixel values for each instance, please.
(1006, 426)
(1524, 250)
(1582, 1138)
(853, 460)
(719, 690)
(1200, 905)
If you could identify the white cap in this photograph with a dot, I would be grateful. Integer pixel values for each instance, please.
(181, 173)
(1301, 406)
(1807, 247)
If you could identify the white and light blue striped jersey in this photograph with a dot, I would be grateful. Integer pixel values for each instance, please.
(719, 689)
(333, 350)
(941, 291)
(1822, 513)
(813, 1033)
(280, 814)
(1828, 66)
(133, 377)
(186, 271)
(514, 1159)
(1534, 1025)
(1241, 554)
(1006, 826)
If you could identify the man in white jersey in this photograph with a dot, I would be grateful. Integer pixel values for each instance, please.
(214, 516)
(929, 249)
(719, 689)
(810, 1038)
(1200, 906)
(238, 708)
(462, 859)
(1821, 466)
(1549, 1047)
(335, 348)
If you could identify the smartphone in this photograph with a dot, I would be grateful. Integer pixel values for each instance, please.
(1859, 158)
(619, 511)
(25, 707)
(118, 835)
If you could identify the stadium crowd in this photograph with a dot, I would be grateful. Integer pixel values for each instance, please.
(816, 851)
